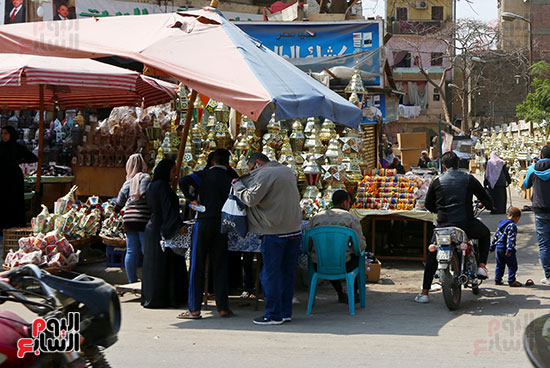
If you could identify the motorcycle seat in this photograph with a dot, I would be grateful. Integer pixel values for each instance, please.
(457, 234)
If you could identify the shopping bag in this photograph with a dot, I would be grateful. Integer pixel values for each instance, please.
(234, 216)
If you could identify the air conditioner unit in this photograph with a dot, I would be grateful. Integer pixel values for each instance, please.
(421, 4)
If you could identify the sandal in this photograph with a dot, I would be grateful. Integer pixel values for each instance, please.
(515, 284)
(245, 295)
(529, 282)
(226, 313)
(189, 315)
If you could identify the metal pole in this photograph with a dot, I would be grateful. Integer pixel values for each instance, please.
(439, 143)
(185, 131)
(40, 140)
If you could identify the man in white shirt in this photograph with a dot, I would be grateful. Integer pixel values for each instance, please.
(16, 13)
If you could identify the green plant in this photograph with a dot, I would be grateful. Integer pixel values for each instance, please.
(536, 106)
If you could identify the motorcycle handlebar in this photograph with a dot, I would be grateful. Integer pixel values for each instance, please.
(18, 274)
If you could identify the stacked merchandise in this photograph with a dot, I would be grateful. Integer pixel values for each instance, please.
(384, 190)
(410, 148)
(48, 251)
(72, 219)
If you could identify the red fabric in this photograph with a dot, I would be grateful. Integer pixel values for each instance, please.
(278, 6)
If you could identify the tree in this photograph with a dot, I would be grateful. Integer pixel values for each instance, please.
(536, 106)
(462, 44)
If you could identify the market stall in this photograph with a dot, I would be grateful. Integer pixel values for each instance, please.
(517, 146)
(44, 83)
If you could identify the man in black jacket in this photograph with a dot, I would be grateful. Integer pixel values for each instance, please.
(538, 177)
(451, 195)
(212, 194)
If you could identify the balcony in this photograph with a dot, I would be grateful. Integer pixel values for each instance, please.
(420, 27)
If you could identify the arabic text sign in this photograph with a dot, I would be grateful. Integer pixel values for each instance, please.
(321, 42)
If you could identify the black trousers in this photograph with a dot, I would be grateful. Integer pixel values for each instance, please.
(209, 243)
(350, 266)
(475, 229)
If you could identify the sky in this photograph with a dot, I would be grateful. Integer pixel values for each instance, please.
(485, 10)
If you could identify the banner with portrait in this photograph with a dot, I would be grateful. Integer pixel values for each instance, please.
(13, 11)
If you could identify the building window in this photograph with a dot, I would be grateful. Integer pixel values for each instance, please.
(437, 13)
(402, 13)
(437, 59)
(405, 62)
(436, 96)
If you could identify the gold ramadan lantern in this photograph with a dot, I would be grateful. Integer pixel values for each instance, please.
(297, 137)
(273, 136)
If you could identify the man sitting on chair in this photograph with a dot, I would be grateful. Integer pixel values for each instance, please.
(339, 216)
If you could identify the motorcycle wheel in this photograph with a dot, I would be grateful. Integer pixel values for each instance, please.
(449, 283)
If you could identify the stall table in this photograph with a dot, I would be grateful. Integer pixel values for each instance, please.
(386, 215)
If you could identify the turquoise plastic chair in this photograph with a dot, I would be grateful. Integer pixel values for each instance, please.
(330, 244)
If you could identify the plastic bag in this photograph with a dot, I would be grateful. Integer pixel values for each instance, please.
(234, 216)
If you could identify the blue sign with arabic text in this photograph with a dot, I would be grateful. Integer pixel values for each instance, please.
(312, 46)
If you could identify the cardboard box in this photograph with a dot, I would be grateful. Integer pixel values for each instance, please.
(372, 271)
(411, 140)
(409, 157)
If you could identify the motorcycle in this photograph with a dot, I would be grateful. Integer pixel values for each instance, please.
(457, 263)
(78, 314)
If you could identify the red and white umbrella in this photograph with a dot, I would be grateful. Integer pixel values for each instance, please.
(30, 82)
(75, 83)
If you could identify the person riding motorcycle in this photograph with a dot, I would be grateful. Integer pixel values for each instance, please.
(450, 196)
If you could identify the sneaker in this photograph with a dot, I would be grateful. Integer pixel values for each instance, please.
(295, 300)
(482, 273)
(499, 283)
(266, 321)
(421, 298)
(287, 319)
(545, 281)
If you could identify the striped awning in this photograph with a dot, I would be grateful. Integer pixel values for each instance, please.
(75, 83)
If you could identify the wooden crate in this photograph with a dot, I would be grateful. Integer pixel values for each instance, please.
(11, 238)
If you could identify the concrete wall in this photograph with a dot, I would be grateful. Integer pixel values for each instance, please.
(419, 14)
(514, 34)
(540, 25)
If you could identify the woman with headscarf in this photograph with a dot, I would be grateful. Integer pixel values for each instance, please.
(12, 186)
(496, 180)
(132, 197)
(164, 283)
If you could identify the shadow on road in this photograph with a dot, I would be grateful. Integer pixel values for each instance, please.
(386, 313)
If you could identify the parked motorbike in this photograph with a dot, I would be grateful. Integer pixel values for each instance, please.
(78, 315)
(457, 263)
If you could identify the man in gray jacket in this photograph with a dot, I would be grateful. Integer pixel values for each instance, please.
(273, 210)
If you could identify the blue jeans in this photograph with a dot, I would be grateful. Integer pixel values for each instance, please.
(542, 223)
(502, 262)
(280, 258)
(134, 249)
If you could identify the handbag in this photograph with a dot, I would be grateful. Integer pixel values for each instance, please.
(179, 243)
(234, 216)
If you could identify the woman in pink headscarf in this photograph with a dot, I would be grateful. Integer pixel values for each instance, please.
(136, 211)
(496, 180)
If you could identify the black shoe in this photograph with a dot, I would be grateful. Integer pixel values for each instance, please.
(266, 321)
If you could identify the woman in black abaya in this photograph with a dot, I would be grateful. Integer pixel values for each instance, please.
(164, 279)
(12, 200)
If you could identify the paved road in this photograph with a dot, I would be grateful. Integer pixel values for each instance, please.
(391, 331)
